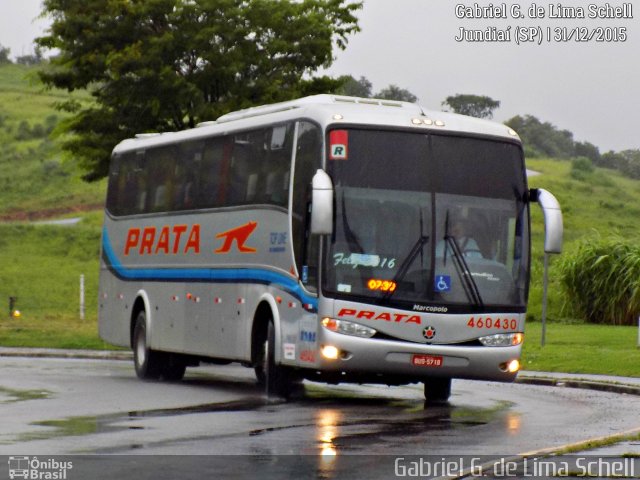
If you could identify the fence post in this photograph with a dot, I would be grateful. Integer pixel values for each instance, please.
(82, 297)
(12, 305)
(545, 282)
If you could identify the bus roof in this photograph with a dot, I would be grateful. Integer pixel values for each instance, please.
(329, 109)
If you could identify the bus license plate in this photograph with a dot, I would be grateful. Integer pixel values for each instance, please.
(427, 360)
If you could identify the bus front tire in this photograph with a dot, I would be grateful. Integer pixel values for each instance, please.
(277, 379)
(437, 390)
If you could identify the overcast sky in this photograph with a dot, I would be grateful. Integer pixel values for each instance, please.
(590, 88)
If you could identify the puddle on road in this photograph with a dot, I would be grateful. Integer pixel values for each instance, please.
(90, 425)
(11, 395)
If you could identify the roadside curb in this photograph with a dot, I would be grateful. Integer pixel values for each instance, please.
(62, 353)
(620, 385)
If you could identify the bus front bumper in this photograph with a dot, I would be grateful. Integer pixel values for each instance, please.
(389, 361)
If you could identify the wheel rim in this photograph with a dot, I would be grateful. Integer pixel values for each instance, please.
(141, 349)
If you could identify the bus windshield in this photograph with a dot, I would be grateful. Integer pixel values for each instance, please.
(427, 219)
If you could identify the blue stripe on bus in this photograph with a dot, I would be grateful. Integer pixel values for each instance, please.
(213, 275)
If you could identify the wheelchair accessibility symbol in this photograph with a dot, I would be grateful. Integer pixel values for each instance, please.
(443, 283)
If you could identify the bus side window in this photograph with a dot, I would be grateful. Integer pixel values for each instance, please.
(213, 173)
(184, 174)
(139, 182)
(116, 190)
(277, 165)
(239, 175)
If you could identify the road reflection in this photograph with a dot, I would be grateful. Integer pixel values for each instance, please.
(328, 429)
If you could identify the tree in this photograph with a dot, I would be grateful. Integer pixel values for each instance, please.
(354, 88)
(543, 138)
(4, 55)
(473, 105)
(393, 92)
(168, 64)
(589, 150)
(33, 59)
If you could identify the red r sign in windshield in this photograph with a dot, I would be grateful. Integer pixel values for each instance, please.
(338, 144)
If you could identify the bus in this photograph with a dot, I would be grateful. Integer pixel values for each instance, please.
(329, 238)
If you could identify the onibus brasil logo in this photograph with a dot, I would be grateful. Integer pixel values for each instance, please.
(32, 468)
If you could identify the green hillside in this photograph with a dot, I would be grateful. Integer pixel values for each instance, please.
(35, 179)
(41, 264)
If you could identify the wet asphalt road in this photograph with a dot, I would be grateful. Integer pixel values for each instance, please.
(97, 407)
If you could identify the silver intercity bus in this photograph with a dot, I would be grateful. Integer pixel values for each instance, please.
(330, 238)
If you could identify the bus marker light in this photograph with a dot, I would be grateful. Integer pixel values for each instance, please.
(292, 304)
(330, 324)
(428, 121)
(279, 299)
(241, 301)
(439, 123)
(416, 121)
(330, 352)
(337, 116)
(217, 300)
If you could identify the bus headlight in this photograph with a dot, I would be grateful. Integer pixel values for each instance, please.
(502, 340)
(348, 328)
(330, 352)
(511, 367)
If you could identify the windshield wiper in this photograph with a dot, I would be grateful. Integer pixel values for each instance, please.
(462, 267)
(406, 263)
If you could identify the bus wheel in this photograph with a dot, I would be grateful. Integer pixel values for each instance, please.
(277, 379)
(437, 390)
(147, 362)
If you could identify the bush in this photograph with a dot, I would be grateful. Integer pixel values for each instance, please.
(601, 279)
(581, 168)
(582, 164)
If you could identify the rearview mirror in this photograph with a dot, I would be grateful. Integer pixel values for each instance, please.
(322, 204)
(553, 227)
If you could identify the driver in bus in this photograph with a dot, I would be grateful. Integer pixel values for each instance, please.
(468, 246)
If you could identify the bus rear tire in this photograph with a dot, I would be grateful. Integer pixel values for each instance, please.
(437, 390)
(277, 379)
(148, 363)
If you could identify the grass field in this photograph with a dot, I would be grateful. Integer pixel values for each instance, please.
(581, 348)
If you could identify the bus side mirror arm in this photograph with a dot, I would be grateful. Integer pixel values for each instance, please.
(321, 204)
(553, 227)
